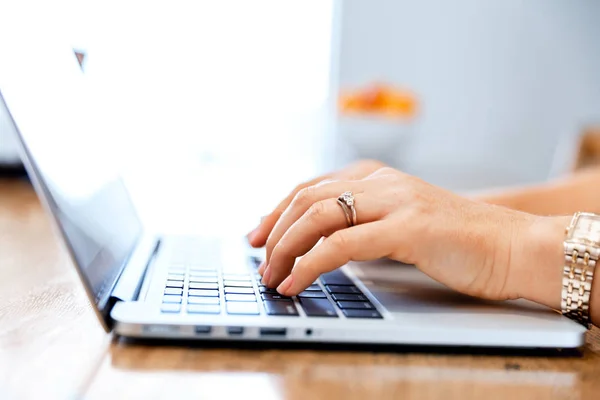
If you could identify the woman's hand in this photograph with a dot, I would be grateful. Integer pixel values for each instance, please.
(472, 247)
(359, 170)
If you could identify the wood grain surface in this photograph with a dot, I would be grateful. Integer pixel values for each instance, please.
(51, 346)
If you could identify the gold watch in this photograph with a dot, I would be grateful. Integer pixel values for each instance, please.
(582, 250)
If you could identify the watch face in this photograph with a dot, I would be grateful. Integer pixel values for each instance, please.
(586, 229)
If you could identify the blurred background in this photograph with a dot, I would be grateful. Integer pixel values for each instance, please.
(217, 101)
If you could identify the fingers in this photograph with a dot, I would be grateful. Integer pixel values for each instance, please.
(360, 243)
(269, 228)
(302, 202)
(261, 268)
(258, 237)
(322, 219)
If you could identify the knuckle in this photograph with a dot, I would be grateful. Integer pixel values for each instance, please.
(396, 180)
(317, 210)
(304, 197)
(303, 265)
(306, 268)
(271, 243)
(340, 240)
(279, 251)
(276, 214)
(325, 182)
(387, 171)
(370, 164)
(299, 187)
(404, 186)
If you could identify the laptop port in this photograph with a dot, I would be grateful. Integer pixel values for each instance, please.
(272, 331)
(235, 330)
(203, 329)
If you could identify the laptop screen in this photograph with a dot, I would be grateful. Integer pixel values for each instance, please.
(70, 155)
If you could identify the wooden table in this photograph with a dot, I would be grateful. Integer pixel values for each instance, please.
(51, 346)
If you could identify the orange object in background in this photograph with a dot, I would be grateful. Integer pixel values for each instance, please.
(379, 99)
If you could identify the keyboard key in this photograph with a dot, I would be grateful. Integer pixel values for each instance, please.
(176, 277)
(318, 307)
(204, 272)
(239, 290)
(280, 308)
(175, 284)
(264, 289)
(177, 269)
(170, 308)
(237, 284)
(240, 297)
(343, 289)
(202, 269)
(174, 291)
(242, 308)
(203, 300)
(200, 275)
(255, 261)
(312, 295)
(279, 297)
(349, 297)
(204, 279)
(236, 277)
(336, 278)
(203, 293)
(361, 313)
(203, 308)
(172, 299)
(356, 305)
(313, 288)
(204, 286)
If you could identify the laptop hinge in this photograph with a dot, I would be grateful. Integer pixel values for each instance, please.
(131, 279)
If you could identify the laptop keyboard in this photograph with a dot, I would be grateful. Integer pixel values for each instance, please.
(207, 290)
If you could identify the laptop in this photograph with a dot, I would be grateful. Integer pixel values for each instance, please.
(143, 284)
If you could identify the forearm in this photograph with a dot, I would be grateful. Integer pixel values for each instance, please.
(577, 192)
(539, 262)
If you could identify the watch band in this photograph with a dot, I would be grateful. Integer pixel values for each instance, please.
(578, 273)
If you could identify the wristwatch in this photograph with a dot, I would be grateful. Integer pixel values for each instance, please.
(582, 250)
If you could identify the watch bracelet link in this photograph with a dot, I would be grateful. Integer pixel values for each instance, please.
(578, 273)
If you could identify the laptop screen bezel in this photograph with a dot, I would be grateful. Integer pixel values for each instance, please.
(102, 302)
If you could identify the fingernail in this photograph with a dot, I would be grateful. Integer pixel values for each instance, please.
(285, 285)
(261, 268)
(252, 234)
(266, 276)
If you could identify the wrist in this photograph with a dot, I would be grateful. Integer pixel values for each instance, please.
(538, 255)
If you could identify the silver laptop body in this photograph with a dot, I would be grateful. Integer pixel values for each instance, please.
(146, 285)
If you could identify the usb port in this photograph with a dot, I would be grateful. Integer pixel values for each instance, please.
(235, 330)
(272, 331)
(203, 329)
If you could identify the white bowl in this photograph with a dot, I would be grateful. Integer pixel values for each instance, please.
(376, 137)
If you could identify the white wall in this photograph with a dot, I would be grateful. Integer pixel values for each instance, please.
(501, 82)
(213, 100)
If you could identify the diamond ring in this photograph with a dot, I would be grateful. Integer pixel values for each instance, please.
(346, 201)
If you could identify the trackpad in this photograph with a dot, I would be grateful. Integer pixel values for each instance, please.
(403, 288)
